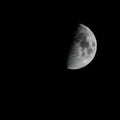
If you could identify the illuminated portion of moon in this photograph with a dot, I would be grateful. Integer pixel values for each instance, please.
(76, 61)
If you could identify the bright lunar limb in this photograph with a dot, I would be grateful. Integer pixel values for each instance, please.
(75, 61)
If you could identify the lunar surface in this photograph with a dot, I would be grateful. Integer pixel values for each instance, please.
(76, 61)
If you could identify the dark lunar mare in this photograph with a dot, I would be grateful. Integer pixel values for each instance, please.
(81, 40)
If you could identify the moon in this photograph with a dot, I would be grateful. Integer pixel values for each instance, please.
(75, 61)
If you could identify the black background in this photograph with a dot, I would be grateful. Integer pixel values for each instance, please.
(48, 31)
(36, 43)
(38, 39)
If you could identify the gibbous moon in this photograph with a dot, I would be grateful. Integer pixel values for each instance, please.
(75, 61)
